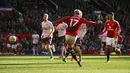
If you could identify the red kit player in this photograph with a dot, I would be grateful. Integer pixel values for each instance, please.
(112, 28)
(74, 22)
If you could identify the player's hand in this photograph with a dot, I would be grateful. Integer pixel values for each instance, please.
(115, 37)
(42, 36)
(49, 36)
(99, 22)
(99, 36)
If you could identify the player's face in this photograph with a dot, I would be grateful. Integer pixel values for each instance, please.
(110, 17)
(45, 17)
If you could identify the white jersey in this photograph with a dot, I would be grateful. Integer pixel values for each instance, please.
(104, 36)
(82, 31)
(62, 29)
(47, 28)
(35, 38)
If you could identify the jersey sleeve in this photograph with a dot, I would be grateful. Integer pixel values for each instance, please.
(64, 19)
(52, 27)
(83, 20)
(65, 25)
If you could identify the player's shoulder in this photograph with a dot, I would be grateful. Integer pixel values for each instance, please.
(49, 21)
(42, 22)
(116, 21)
(107, 21)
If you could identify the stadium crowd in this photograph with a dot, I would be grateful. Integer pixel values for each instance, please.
(32, 11)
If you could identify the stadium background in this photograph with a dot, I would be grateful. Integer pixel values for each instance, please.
(23, 17)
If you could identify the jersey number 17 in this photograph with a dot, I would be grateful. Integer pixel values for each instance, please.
(73, 22)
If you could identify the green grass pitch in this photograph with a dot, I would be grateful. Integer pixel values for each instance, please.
(42, 64)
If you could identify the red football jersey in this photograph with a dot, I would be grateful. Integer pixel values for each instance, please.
(74, 23)
(112, 28)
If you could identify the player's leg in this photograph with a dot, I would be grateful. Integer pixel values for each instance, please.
(52, 46)
(103, 45)
(118, 50)
(79, 53)
(108, 48)
(78, 49)
(62, 46)
(34, 48)
(14, 48)
(8, 48)
(49, 48)
(116, 46)
(37, 48)
(70, 40)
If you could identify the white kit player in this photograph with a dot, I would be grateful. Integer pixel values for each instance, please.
(47, 34)
(35, 41)
(103, 43)
(61, 28)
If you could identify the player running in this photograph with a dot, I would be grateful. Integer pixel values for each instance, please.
(112, 28)
(61, 28)
(74, 23)
(47, 34)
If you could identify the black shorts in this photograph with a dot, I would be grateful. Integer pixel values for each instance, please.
(46, 40)
(104, 43)
(35, 45)
(78, 42)
(61, 40)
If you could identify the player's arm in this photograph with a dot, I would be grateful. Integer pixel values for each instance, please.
(88, 22)
(52, 30)
(42, 31)
(64, 19)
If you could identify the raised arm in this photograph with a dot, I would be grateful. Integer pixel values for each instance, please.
(64, 19)
(88, 22)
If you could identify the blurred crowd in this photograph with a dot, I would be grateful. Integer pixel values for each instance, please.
(29, 19)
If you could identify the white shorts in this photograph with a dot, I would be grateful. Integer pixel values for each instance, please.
(71, 39)
(111, 41)
(12, 46)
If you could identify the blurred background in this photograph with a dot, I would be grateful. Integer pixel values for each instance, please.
(24, 17)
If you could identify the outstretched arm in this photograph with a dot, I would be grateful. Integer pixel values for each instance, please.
(64, 19)
(88, 22)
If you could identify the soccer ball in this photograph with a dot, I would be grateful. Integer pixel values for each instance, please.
(12, 39)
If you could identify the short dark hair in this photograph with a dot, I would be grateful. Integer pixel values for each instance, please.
(112, 13)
